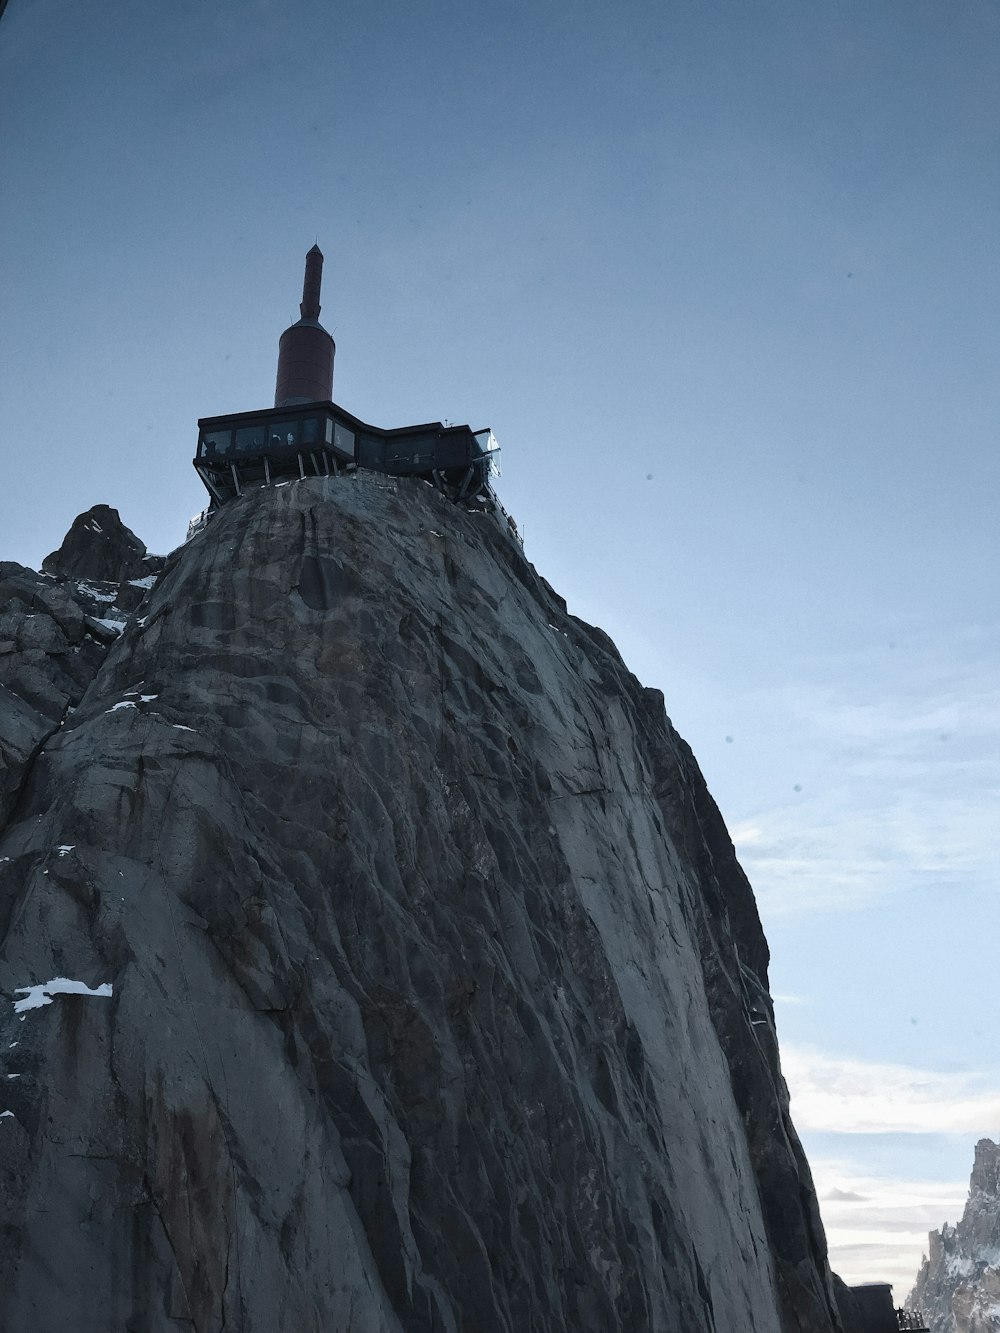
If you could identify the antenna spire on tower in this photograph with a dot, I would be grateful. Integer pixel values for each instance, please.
(310, 307)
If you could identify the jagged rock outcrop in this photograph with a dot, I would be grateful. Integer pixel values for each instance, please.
(958, 1285)
(376, 959)
(55, 628)
(99, 546)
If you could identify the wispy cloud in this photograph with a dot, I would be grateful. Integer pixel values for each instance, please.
(876, 1223)
(853, 847)
(846, 1096)
(904, 792)
(876, 1226)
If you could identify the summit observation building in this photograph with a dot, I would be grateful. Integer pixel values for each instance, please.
(306, 434)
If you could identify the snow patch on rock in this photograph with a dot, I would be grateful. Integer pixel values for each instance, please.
(37, 996)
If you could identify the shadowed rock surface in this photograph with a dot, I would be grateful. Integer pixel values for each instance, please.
(958, 1285)
(439, 1000)
(55, 628)
(100, 546)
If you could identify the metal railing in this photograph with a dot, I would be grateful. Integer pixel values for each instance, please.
(196, 524)
(502, 517)
(911, 1321)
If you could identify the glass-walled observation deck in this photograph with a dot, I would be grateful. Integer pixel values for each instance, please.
(321, 439)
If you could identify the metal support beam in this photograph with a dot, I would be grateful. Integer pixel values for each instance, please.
(236, 479)
(465, 483)
(267, 470)
(210, 485)
(302, 471)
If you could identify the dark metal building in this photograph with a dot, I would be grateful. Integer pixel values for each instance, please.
(874, 1311)
(306, 434)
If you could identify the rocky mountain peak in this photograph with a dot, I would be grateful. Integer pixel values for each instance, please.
(55, 631)
(99, 546)
(986, 1169)
(372, 953)
(959, 1281)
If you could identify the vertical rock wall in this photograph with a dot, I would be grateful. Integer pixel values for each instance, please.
(410, 980)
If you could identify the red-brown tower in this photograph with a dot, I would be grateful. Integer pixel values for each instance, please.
(305, 349)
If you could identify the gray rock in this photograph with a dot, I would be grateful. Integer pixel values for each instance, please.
(99, 546)
(54, 631)
(439, 1000)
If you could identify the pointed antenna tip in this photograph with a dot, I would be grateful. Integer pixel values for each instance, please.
(310, 306)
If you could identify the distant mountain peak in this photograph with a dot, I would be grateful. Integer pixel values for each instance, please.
(986, 1169)
(959, 1281)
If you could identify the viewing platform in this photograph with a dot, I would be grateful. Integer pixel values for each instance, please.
(320, 439)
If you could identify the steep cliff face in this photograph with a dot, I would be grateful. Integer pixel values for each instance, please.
(959, 1281)
(375, 958)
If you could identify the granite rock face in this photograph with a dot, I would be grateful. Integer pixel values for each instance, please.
(99, 546)
(958, 1285)
(374, 957)
(55, 628)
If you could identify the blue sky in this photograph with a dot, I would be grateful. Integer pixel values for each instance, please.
(723, 278)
